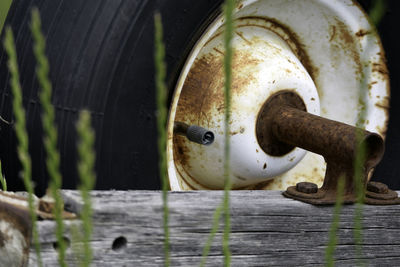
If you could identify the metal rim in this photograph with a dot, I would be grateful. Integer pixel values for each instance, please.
(340, 50)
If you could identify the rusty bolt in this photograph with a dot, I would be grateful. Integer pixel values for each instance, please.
(307, 187)
(377, 187)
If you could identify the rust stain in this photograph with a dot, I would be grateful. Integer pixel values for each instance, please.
(349, 44)
(240, 6)
(213, 37)
(291, 39)
(383, 103)
(202, 95)
(344, 33)
(362, 33)
(240, 34)
(218, 51)
(202, 92)
(333, 32)
(181, 151)
(265, 166)
(380, 68)
(198, 87)
(371, 84)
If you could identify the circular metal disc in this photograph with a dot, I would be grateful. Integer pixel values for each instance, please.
(333, 43)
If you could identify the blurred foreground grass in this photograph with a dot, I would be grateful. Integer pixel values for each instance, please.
(4, 6)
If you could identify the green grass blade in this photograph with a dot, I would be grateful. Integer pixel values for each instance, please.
(161, 103)
(377, 11)
(87, 180)
(22, 136)
(359, 162)
(376, 14)
(214, 229)
(50, 131)
(3, 179)
(4, 7)
(359, 205)
(330, 250)
(228, 35)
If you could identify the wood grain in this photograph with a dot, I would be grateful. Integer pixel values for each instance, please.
(267, 230)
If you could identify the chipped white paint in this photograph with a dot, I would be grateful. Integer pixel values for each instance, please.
(344, 57)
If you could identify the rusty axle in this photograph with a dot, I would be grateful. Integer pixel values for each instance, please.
(284, 124)
(334, 140)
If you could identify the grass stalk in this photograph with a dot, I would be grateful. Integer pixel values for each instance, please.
(359, 205)
(377, 11)
(359, 170)
(22, 136)
(214, 229)
(87, 180)
(376, 14)
(330, 250)
(3, 180)
(50, 131)
(161, 104)
(4, 7)
(228, 35)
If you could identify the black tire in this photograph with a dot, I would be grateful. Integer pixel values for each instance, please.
(101, 57)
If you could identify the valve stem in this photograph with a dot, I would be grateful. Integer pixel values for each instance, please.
(194, 133)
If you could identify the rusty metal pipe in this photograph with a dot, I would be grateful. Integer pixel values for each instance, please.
(333, 140)
(337, 142)
(283, 124)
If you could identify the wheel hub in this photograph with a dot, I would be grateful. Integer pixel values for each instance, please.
(271, 57)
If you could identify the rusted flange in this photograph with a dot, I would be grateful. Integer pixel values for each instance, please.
(379, 194)
(337, 142)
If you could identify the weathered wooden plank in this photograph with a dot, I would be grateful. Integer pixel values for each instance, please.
(267, 229)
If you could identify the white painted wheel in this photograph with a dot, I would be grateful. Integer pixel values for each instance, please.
(325, 51)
